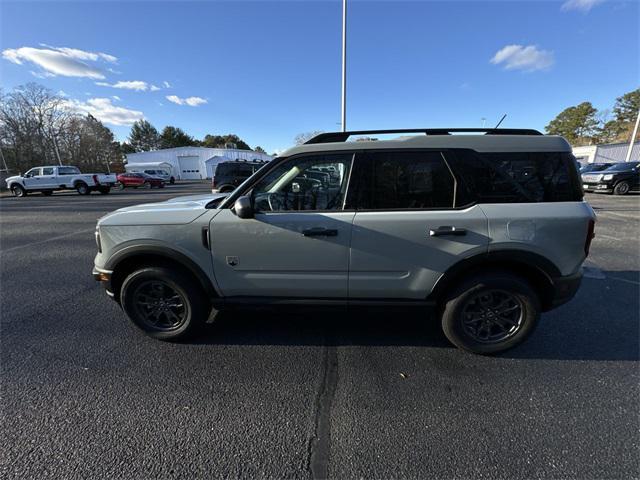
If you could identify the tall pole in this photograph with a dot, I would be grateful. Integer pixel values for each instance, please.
(633, 138)
(344, 65)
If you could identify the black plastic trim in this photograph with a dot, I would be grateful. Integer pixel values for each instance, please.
(169, 254)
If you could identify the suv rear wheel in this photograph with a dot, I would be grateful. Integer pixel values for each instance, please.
(166, 304)
(491, 313)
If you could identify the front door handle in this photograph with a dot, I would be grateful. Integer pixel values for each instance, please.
(320, 232)
(447, 230)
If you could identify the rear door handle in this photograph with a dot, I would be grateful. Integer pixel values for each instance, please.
(447, 230)
(320, 232)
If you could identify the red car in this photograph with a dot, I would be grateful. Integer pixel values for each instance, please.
(136, 180)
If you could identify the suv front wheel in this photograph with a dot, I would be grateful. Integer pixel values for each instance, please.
(166, 304)
(491, 313)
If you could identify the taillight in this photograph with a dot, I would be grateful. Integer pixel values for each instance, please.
(213, 181)
(95, 180)
(590, 234)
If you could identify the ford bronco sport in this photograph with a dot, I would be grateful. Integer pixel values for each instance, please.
(488, 228)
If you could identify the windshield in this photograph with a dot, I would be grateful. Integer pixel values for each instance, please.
(594, 167)
(618, 167)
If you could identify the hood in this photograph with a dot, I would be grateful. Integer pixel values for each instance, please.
(176, 211)
(14, 177)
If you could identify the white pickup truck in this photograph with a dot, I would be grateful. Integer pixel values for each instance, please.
(51, 178)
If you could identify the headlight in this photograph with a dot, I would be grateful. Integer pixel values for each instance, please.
(607, 177)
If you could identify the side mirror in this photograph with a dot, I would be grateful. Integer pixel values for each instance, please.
(243, 207)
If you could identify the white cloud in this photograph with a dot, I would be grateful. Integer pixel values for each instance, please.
(191, 101)
(137, 85)
(582, 5)
(154, 88)
(105, 111)
(166, 84)
(518, 57)
(67, 62)
(116, 97)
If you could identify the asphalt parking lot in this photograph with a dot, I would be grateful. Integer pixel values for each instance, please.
(84, 395)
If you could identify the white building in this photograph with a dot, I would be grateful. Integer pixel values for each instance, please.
(189, 163)
(606, 153)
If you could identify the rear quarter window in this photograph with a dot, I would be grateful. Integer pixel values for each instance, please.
(515, 177)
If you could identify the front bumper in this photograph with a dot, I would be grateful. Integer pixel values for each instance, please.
(598, 187)
(565, 288)
(104, 277)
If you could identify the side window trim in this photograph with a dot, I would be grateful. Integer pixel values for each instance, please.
(365, 158)
(249, 190)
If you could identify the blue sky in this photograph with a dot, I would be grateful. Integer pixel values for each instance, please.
(269, 70)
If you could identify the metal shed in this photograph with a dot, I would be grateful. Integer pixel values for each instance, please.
(609, 152)
(192, 163)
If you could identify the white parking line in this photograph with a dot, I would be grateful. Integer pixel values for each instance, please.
(12, 249)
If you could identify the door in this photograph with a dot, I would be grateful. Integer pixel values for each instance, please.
(32, 179)
(408, 229)
(298, 243)
(48, 178)
(189, 168)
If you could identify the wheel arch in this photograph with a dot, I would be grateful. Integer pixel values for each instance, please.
(127, 260)
(536, 269)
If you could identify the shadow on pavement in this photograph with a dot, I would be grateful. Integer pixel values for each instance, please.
(602, 323)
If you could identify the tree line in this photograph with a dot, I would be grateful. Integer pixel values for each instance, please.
(583, 124)
(38, 127)
(145, 137)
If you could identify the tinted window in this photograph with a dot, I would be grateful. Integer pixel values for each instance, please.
(518, 177)
(225, 169)
(47, 171)
(618, 167)
(295, 185)
(68, 171)
(404, 180)
(244, 170)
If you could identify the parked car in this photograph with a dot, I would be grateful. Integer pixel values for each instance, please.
(594, 167)
(135, 180)
(229, 175)
(486, 230)
(49, 179)
(619, 179)
(158, 173)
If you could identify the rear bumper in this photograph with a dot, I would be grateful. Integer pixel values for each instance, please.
(565, 288)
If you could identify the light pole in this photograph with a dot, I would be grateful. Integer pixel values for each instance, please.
(344, 65)
(633, 139)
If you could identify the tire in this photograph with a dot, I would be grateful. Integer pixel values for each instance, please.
(47, 193)
(104, 190)
(472, 306)
(172, 180)
(174, 288)
(621, 188)
(146, 185)
(120, 186)
(82, 188)
(18, 191)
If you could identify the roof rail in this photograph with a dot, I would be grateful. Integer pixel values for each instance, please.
(344, 136)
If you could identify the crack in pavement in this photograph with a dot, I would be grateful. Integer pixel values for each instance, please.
(320, 442)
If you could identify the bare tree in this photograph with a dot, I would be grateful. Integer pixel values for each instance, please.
(301, 138)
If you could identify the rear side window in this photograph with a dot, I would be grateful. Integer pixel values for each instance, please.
(403, 181)
(225, 169)
(68, 171)
(515, 177)
(244, 170)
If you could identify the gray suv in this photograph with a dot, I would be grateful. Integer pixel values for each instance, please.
(487, 229)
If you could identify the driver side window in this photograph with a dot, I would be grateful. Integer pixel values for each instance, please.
(316, 183)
